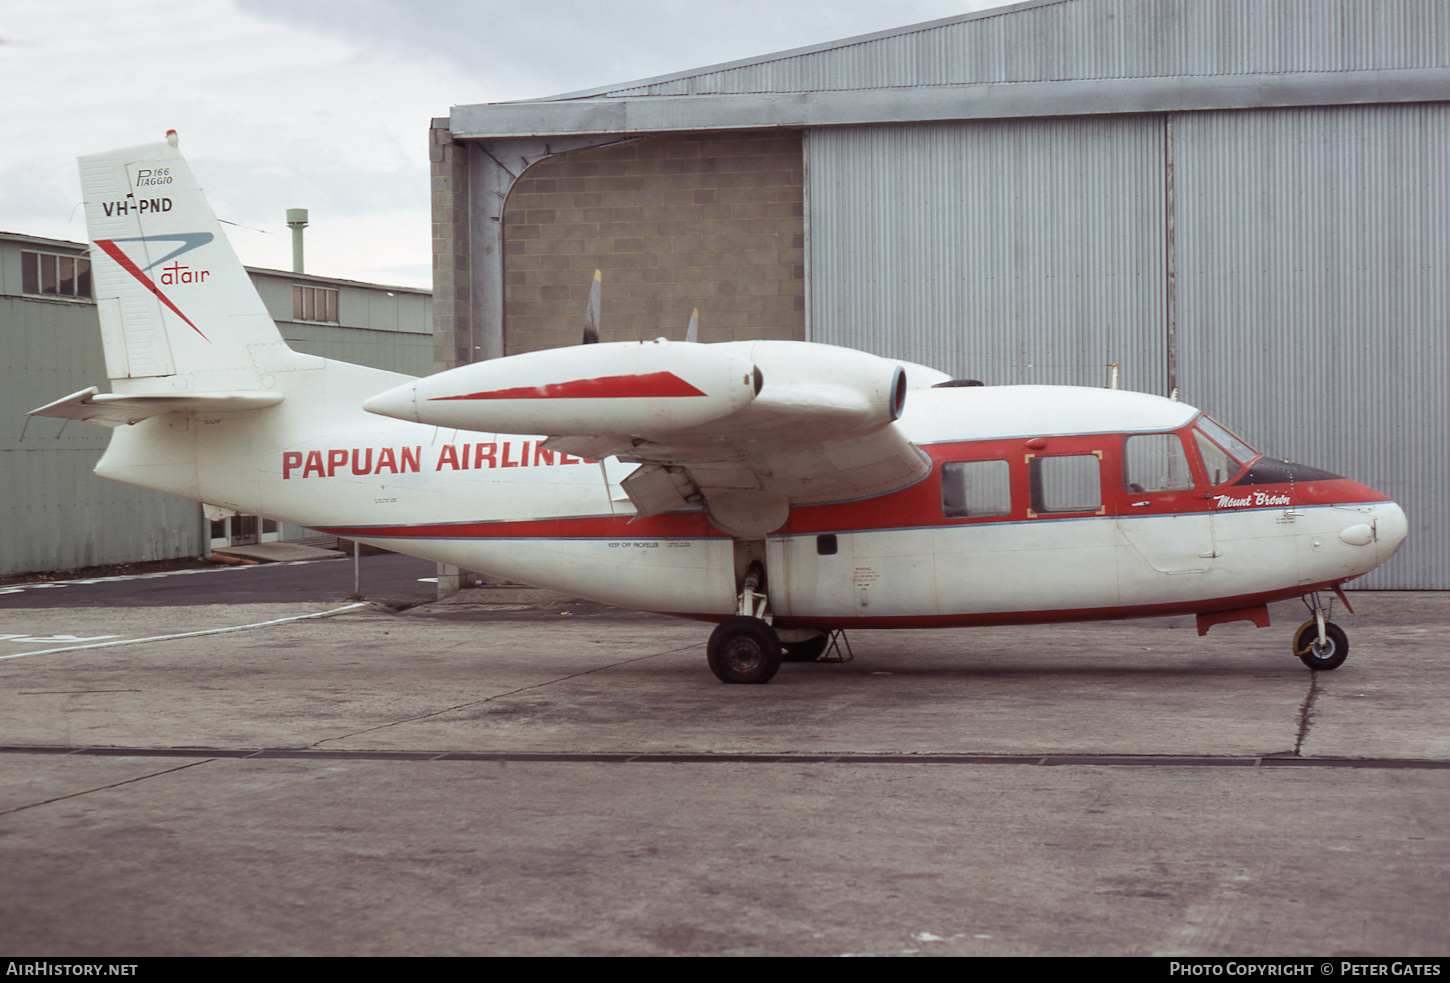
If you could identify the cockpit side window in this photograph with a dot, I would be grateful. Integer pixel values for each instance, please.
(1216, 461)
(1224, 455)
(1155, 462)
(1239, 450)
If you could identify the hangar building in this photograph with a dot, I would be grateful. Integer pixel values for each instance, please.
(1244, 201)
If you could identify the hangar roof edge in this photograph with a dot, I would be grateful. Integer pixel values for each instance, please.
(949, 102)
(1036, 58)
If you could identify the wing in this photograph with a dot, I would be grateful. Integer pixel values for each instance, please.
(746, 429)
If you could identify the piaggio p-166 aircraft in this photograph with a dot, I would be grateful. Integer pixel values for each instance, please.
(784, 490)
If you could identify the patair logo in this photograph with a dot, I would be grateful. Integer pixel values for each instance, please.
(172, 275)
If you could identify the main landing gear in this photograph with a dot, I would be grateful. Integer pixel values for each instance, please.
(1319, 643)
(748, 649)
(745, 648)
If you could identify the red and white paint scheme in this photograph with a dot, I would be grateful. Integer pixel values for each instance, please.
(784, 490)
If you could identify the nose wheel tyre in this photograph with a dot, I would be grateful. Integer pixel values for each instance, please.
(1330, 654)
(744, 650)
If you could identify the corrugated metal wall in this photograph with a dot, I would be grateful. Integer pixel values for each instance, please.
(54, 513)
(1313, 249)
(1010, 252)
(1097, 39)
(1310, 256)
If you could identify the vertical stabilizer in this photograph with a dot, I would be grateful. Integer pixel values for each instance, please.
(177, 308)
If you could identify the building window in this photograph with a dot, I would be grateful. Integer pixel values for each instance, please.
(49, 275)
(314, 303)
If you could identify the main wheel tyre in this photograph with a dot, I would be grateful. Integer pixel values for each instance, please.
(807, 651)
(744, 650)
(1329, 655)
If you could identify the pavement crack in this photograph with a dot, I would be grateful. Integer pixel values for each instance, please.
(1306, 714)
(102, 788)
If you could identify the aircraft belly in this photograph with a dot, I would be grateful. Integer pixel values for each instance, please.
(1059, 564)
(684, 576)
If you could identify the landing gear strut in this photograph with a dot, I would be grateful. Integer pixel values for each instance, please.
(1319, 643)
(745, 648)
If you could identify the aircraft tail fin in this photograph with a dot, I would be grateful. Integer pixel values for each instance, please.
(178, 311)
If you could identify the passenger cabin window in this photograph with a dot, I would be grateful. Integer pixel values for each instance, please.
(974, 489)
(1155, 462)
(1069, 483)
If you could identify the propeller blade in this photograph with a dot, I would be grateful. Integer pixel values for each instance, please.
(692, 333)
(591, 313)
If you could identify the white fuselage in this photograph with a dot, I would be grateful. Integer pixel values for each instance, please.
(504, 505)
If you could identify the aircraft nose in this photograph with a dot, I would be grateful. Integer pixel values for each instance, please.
(400, 403)
(1391, 527)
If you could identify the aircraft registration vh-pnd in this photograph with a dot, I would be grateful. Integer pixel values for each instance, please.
(784, 490)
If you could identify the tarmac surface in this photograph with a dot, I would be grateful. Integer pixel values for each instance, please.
(245, 762)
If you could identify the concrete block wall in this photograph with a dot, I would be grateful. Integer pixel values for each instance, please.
(674, 223)
(452, 296)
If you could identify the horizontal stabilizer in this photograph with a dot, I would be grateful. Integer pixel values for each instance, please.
(114, 409)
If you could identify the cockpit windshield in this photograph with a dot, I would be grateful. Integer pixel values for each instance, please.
(1224, 455)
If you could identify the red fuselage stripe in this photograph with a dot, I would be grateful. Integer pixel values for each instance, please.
(653, 384)
(994, 619)
(670, 525)
(114, 251)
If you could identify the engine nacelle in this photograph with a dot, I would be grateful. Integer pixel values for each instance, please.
(626, 387)
(855, 391)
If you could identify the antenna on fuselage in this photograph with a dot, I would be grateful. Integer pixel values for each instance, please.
(692, 333)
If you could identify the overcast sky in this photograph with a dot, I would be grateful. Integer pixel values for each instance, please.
(325, 104)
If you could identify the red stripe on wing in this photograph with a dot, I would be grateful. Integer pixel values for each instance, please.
(653, 384)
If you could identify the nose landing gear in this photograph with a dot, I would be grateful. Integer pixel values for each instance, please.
(1319, 643)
